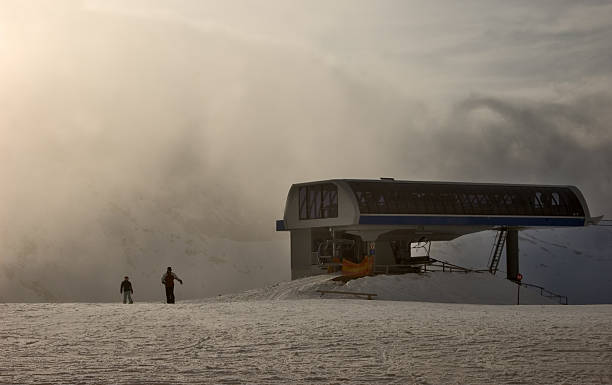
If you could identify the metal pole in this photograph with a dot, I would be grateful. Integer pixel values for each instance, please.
(518, 293)
(512, 254)
(333, 244)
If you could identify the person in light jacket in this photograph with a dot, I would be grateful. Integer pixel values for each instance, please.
(168, 281)
(126, 289)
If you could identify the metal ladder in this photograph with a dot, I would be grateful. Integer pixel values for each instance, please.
(496, 251)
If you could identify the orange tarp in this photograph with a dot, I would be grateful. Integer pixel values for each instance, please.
(364, 267)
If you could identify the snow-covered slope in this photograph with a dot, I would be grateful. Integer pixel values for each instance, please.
(475, 288)
(576, 262)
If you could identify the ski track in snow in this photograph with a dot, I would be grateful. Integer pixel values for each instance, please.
(312, 341)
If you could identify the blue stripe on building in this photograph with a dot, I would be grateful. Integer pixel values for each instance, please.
(468, 221)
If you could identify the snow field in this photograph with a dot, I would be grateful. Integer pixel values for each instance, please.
(307, 341)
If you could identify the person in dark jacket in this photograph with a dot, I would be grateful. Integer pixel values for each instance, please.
(126, 289)
(168, 281)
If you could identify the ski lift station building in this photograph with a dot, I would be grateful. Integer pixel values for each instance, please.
(348, 219)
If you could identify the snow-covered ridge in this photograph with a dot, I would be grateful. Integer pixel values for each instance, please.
(576, 262)
(468, 288)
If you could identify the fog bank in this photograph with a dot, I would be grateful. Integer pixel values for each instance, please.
(125, 125)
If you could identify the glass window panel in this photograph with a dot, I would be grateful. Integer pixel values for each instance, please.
(325, 203)
(466, 203)
(457, 199)
(329, 205)
(538, 200)
(458, 204)
(555, 199)
(317, 196)
(318, 201)
(303, 203)
(314, 202)
(380, 203)
(333, 194)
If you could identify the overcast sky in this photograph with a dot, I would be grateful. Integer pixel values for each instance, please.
(194, 106)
